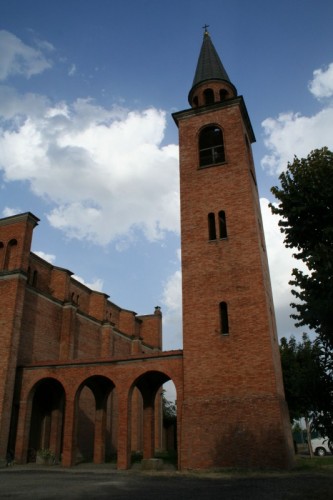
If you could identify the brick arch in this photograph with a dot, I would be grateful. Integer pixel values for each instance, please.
(100, 385)
(47, 401)
(149, 386)
(122, 377)
(149, 382)
(94, 419)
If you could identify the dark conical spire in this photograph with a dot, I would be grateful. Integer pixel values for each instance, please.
(210, 68)
(209, 65)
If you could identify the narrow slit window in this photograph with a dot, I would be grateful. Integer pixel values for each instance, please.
(10, 255)
(222, 224)
(34, 278)
(224, 318)
(211, 226)
(211, 147)
(2, 251)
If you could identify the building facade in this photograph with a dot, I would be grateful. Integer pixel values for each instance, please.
(82, 376)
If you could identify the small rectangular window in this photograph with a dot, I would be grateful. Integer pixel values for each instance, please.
(224, 318)
(211, 226)
(222, 224)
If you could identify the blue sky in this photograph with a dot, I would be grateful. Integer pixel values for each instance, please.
(87, 142)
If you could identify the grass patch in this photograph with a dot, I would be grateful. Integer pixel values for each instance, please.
(315, 463)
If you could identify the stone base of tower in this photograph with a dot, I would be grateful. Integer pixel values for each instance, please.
(249, 432)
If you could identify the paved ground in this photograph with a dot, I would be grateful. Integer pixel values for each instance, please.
(54, 483)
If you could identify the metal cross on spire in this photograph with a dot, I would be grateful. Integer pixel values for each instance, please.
(205, 28)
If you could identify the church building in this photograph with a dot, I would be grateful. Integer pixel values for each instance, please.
(82, 376)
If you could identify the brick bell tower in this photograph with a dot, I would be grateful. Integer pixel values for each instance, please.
(234, 412)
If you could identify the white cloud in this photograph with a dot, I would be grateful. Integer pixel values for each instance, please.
(104, 170)
(9, 211)
(96, 284)
(172, 295)
(16, 107)
(281, 263)
(17, 58)
(72, 70)
(322, 84)
(46, 256)
(293, 134)
(172, 315)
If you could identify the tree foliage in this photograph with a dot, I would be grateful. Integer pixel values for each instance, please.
(308, 382)
(169, 411)
(302, 375)
(305, 208)
(306, 219)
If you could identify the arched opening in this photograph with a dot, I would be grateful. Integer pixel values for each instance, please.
(96, 421)
(9, 262)
(195, 101)
(209, 96)
(211, 147)
(47, 417)
(223, 94)
(153, 418)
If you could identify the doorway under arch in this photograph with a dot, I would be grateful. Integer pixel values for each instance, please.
(147, 409)
(47, 418)
(96, 421)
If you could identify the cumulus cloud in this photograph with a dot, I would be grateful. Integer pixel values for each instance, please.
(293, 134)
(104, 171)
(96, 284)
(9, 211)
(17, 58)
(281, 263)
(49, 257)
(172, 310)
(322, 84)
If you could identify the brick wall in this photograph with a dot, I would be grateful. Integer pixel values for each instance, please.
(232, 382)
(48, 316)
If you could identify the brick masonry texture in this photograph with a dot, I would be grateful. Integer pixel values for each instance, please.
(83, 376)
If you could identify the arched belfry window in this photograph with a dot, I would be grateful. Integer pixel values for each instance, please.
(223, 94)
(211, 147)
(209, 96)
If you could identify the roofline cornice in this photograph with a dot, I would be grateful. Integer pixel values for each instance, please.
(236, 101)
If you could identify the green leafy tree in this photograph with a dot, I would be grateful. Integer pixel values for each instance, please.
(306, 382)
(306, 219)
(302, 375)
(305, 208)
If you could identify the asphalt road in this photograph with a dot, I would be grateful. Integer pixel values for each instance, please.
(96, 484)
